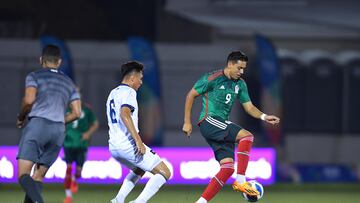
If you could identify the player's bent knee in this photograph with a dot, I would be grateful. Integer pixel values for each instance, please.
(40, 173)
(163, 170)
(21, 173)
(167, 174)
(245, 135)
(38, 177)
(226, 160)
(21, 176)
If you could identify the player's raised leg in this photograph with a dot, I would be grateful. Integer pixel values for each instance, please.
(161, 175)
(245, 140)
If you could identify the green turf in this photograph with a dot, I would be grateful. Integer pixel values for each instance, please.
(280, 193)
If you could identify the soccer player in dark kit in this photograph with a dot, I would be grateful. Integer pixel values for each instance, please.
(48, 93)
(78, 135)
(219, 90)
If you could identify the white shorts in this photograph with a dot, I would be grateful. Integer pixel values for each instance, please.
(146, 162)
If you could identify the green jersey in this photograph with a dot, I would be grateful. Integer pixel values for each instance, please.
(75, 129)
(219, 94)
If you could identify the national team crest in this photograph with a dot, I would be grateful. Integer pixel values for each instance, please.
(237, 89)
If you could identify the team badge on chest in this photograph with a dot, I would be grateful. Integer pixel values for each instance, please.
(237, 89)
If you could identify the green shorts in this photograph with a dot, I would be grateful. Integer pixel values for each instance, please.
(77, 155)
(220, 135)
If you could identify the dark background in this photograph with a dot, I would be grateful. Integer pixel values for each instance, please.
(318, 43)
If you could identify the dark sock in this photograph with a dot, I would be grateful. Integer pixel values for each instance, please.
(39, 186)
(27, 199)
(29, 185)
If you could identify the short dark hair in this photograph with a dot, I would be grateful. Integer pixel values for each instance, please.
(130, 67)
(51, 54)
(235, 56)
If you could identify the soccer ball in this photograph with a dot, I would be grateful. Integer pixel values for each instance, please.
(258, 187)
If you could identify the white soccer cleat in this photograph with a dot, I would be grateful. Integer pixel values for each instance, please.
(113, 201)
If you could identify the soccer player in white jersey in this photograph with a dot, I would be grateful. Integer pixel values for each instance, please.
(125, 144)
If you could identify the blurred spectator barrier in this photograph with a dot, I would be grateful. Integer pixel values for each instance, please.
(188, 166)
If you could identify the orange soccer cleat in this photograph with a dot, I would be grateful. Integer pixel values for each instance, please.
(74, 187)
(245, 188)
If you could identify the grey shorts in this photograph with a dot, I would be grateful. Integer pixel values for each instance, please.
(41, 141)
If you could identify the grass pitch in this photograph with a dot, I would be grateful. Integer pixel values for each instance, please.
(279, 193)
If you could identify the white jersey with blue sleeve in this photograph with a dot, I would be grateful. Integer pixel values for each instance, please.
(119, 135)
(121, 144)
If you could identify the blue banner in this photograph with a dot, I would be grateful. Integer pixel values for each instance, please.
(66, 64)
(330, 173)
(269, 70)
(150, 114)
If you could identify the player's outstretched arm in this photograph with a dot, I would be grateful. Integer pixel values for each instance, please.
(190, 97)
(256, 113)
(75, 111)
(26, 105)
(125, 114)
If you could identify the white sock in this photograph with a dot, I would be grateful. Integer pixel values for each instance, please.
(151, 187)
(68, 193)
(240, 178)
(129, 183)
(201, 200)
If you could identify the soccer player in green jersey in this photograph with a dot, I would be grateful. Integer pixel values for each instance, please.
(219, 90)
(78, 134)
